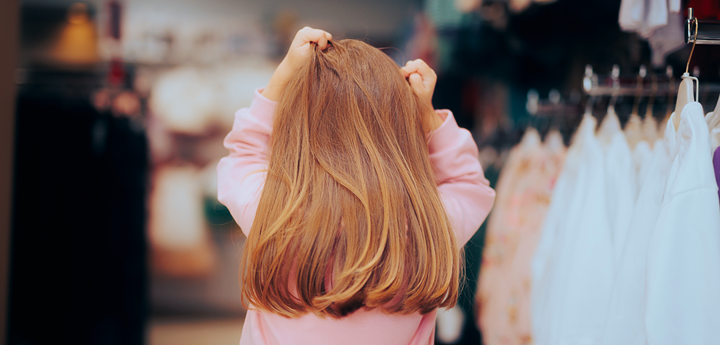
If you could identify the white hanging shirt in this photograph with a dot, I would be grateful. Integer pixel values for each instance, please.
(642, 158)
(627, 305)
(572, 267)
(666, 288)
(683, 272)
(619, 180)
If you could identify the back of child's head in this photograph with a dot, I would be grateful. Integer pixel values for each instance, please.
(350, 215)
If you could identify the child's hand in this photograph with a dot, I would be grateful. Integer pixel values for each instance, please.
(300, 45)
(422, 80)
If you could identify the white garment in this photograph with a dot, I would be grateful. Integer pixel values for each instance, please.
(656, 16)
(667, 39)
(572, 268)
(712, 119)
(627, 305)
(658, 21)
(642, 158)
(666, 288)
(619, 180)
(632, 15)
(683, 273)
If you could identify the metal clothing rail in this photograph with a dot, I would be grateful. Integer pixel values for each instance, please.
(708, 31)
(639, 85)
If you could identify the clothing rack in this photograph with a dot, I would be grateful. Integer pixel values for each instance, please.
(554, 106)
(708, 31)
(638, 85)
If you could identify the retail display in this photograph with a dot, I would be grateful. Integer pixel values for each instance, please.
(629, 251)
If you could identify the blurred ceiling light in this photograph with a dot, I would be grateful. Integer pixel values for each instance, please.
(77, 43)
(78, 13)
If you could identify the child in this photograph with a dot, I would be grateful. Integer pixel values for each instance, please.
(355, 196)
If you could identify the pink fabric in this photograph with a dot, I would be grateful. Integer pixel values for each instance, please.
(524, 190)
(463, 188)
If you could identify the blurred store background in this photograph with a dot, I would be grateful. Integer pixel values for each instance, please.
(121, 106)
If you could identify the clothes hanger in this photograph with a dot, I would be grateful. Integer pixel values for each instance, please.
(616, 86)
(650, 128)
(638, 89)
(671, 86)
(633, 128)
(686, 94)
(611, 123)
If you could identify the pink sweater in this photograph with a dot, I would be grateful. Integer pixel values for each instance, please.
(463, 188)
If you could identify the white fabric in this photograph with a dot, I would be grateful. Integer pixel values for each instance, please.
(632, 14)
(683, 273)
(572, 268)
(656, 16)
(658, 21)
(666, 288)
(626, 312)
(619, 180)
(643, 16)
(650, 130)
(713, 121)
(667, 39)
(642, 158)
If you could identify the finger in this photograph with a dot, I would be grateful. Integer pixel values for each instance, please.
(410, 67)
(424, 70)
(322, 42)
(406, 72)
(416, 83)
(307, 35)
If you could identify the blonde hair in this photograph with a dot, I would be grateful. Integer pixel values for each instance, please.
(350, 215)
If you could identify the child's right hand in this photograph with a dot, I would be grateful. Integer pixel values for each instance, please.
(300, 46)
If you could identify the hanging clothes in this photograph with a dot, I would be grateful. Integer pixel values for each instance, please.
(620, 180)
(633, 131)
(658, 21)
(627, 304)
(665, 291)
(716, 165)
(572, 269)
(667, 39)
(513, 230)
(650, 129)
(683, 274)
(642, 159)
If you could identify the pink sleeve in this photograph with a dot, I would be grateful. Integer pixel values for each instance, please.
(241, 175)
(463, 188)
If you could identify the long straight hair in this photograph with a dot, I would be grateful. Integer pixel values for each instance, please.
(350, 215)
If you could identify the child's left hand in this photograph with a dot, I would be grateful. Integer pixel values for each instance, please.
(422, 79)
